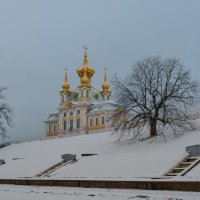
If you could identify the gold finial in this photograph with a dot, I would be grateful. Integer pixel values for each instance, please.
(85, 72)
(105, 85)
(66, 85)
(66, 81)
(105, 75)
(85, 61)
(85, 47)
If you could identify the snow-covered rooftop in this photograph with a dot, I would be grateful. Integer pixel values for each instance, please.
(103, 106)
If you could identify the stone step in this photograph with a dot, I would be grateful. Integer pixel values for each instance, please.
(172, 174)
(192, 159)
(185, 164)
(178, 170)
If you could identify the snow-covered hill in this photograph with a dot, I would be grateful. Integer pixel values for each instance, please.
(114, 160)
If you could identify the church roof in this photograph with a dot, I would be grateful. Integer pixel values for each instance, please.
(53, 117)
(102, 107)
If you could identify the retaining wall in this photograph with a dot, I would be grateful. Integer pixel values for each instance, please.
(146, 185)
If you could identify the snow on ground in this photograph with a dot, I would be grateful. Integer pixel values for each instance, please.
(114, 160)
(58, 193)
(194, 173)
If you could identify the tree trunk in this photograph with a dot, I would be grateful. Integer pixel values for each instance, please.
(153, 127)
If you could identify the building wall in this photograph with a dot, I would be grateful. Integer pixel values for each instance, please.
(72, 119)
(52, 128)
(88, 123)
(96, 122)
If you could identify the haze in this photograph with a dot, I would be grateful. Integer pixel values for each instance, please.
(39, 38)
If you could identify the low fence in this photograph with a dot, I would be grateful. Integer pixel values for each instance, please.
(145, 185)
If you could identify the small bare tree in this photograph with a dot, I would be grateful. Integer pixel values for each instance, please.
(155, 96)
(6, 113)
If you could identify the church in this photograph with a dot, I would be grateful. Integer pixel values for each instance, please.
(85, 109)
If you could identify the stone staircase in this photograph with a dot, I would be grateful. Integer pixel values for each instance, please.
(54, 168)
(183, 167)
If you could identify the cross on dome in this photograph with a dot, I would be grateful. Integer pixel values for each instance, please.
(85, 48)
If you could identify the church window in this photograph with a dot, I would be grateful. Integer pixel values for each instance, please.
(71, 125)
(65, 98)
(65, 125)
(87, 93)
(103, 120)
(78, 123)
(49, 128)
(81, 93)
(65, 114)
(78, 112)
(107, 97)
(91, 121)
(97, 121)
(71, 113)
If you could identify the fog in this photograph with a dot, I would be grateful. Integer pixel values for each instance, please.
(39, 38)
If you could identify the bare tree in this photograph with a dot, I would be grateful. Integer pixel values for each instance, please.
(6, 113)
(155, 96)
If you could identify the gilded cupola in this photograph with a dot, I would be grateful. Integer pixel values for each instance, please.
(105, 86)
(85, 72)
(65, 86)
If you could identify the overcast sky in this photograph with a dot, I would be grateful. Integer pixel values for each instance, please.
(39, 38)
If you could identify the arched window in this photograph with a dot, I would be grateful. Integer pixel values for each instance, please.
(91, 121)
(71, 113)
(50, 128)
(103, 120)
(97, 121)
(65, 125)
(65, 114)
(87, 93)
(81, 93)
(78, 112)
(65, 98)
(78, 123)
(71, 125)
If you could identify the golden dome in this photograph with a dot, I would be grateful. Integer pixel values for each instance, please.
(85, 81)
(105, 85)
(85, 72)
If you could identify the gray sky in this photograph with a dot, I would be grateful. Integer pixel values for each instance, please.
(38, 38)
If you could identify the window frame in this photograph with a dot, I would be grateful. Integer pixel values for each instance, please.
(96, 121)
(91, 122)
(103, 120)
(78, 122)
(65, 125)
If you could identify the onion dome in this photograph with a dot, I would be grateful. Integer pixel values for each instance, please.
(85, 72)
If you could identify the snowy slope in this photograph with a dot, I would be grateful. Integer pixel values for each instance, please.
(194, 173)
(51, 193)
(114, 161)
